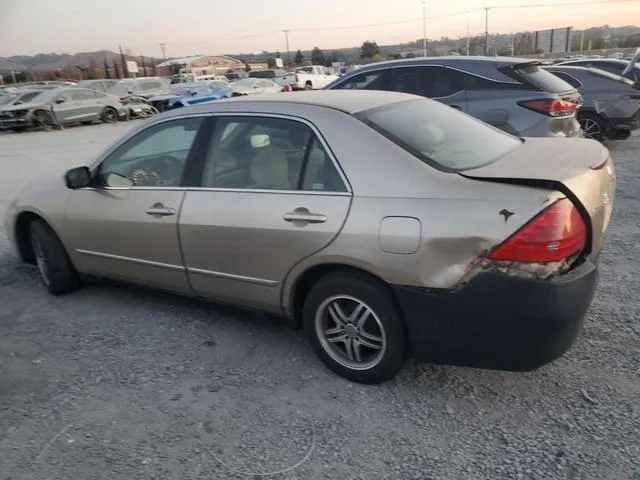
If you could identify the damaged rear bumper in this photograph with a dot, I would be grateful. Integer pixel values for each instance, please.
(498, 321)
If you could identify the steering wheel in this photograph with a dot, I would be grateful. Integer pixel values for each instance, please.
(167, 167)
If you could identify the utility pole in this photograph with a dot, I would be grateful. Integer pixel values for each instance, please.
(486, 31)
(286, 38)
(163, 47)
(424, 28)
(468, 14)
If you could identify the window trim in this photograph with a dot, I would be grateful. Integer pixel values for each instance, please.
(393, 67)
(192, 157)
(316, 132)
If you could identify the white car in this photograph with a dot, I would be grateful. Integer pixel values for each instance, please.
(252, 86)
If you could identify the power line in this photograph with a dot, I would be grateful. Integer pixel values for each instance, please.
(398, 22)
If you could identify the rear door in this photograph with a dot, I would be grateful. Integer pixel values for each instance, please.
(269, 195)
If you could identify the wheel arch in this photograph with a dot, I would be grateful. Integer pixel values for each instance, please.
(21, 235)
(308, 278)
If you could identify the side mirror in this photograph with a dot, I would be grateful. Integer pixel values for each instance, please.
(79, 177)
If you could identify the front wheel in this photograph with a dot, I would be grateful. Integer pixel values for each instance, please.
(592, 125)
(56, 271)
(43, 120)
(355, 328)
(109, 115)
(308, 86)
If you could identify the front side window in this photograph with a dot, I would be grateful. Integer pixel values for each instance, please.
(439, 135)
(265, 153)
(155, 157)
(377, 80)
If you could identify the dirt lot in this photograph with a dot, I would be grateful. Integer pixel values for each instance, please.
(120, 383)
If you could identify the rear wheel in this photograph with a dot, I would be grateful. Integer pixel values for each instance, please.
(308, 85)
(109, 115)
(592, 125)
(355, 328)
(56, 271)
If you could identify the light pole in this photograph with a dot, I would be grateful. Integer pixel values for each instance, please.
(286, 37)
(486, 31)
(468, 14)
(424, 28)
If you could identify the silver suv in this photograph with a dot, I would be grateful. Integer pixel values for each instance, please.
(514, 95)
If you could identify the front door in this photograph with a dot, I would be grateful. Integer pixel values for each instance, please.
(270, 196)
(126, 226)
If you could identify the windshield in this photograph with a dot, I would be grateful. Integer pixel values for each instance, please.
(245, 82)
(263, 74)
(7, 99)
(439, 135)
(122, 88)
(611, 76)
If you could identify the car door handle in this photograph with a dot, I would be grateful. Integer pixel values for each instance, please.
(159, 210)
(303, 215)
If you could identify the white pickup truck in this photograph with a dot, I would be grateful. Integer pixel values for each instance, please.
(313, 77)
(278, 76)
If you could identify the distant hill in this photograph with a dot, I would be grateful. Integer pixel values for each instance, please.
(54, 61)
(603, 37)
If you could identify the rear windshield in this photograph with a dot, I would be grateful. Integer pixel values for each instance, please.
(538, 77)
(440, 135)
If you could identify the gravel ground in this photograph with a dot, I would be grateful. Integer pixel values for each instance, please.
(114, 382)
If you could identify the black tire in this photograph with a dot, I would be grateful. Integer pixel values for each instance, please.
(43, 120)
(18, 129)
(56, 271)
(308, 85)
(593, 125)
(385, 323)
(109, 115)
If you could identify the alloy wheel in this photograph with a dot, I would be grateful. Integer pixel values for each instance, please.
(350, 332)
(591, 129)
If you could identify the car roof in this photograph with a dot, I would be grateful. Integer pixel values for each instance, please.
(348, 101)
(453, 60)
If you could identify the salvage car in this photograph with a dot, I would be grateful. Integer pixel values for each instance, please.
(253, 86)
(62, 106)
(186, 94)
(611, 104)
(387, 224)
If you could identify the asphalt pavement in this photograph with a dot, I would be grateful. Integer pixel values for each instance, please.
(115, 382)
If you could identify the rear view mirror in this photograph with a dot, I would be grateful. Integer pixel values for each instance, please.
(79, 177)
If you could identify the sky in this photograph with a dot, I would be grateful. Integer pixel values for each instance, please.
(243, 26)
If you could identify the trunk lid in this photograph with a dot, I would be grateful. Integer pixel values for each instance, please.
(581, 169)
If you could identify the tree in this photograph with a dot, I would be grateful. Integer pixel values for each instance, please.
(271, 62)
(106, 68)
(299, 58)
(631, 41)
(369, 49)
(247, 67)
(317, 56)
(116, 69)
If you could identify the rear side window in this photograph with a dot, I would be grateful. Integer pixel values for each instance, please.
(439, 135)
(533, 75)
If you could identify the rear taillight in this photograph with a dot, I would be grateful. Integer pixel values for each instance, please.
(551, 106)
(556, 233)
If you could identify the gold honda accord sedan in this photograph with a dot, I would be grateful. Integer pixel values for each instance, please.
(390, 225)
